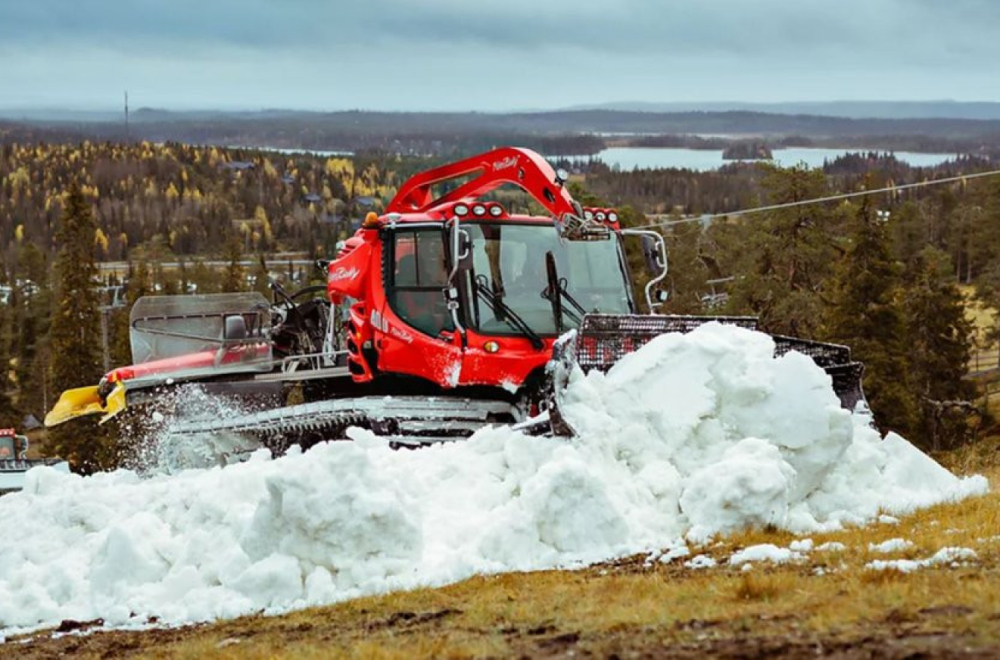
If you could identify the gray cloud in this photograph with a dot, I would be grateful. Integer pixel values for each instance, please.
(516, 53)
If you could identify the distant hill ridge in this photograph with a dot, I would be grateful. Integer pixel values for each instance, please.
(944, 109)
(935, 109)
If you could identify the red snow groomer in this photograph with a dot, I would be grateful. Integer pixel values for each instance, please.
(14, 461)
(440, 316)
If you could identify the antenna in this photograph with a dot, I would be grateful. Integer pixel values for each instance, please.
(128, 135)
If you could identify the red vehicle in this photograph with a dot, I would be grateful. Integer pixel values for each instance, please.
(439, 316)
(14, 461)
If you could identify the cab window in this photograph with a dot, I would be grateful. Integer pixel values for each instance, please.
(419, 276)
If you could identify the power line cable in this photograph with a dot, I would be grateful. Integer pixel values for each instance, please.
(818, 200)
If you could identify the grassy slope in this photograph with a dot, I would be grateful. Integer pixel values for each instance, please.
(984, 355)
(631, 606)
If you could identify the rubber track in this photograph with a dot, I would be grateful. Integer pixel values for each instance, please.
(436, 418)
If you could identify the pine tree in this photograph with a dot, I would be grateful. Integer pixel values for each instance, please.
(938, 345)
(782, 258)
(686, 273)
(76, 332)
(32, 322)
(261, 277)
(232, 276)
(866, 315)
(8, 414)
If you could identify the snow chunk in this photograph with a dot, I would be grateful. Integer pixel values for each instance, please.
(952, 555)
(764, 552)
(701, 561)
(674, 553)
(832, 546)
(901, 565)
(892, 545)
(750, 485)
(801, 545)
(945, 556)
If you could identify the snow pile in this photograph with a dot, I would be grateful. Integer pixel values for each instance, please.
(692, 436)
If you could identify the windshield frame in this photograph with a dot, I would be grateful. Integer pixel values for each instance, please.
(468, 297)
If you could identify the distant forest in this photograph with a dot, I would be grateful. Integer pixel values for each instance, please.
(571, 132)
(879, 274)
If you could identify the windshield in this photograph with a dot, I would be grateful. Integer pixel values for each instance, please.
(509, 261)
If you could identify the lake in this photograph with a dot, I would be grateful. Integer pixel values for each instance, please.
(286, 151)
(628, 158)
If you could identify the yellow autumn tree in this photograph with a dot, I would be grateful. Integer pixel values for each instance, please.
(101, 241)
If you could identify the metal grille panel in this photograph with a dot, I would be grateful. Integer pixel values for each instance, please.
(603, 339)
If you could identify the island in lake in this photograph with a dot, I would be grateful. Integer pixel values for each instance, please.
(747, 150)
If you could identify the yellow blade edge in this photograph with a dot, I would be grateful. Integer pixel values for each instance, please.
(80, 402)
(116, 402)
(84, 401)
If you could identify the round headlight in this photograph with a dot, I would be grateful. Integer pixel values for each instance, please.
(496, 211)
(461, 209)
(600, 216)
(478, 209)
(612, 217)
(589, 215)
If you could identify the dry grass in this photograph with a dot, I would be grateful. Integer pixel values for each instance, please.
(984, 319)
(633, 605)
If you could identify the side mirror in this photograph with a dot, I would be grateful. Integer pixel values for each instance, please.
(464, 250)
(651, 256)
(235, 328)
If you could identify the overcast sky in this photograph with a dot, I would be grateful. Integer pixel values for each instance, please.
(485, 55)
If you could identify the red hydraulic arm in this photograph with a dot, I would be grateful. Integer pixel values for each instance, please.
(522, 167)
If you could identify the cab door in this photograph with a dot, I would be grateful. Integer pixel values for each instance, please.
(417, 331)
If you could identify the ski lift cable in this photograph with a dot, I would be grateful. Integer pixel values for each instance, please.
(818, 200)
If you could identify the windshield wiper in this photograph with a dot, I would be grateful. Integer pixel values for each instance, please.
(556, 292)
(505, 313)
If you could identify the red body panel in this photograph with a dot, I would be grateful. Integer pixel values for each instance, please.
(190, 362)
(348, 275)
(520, 167)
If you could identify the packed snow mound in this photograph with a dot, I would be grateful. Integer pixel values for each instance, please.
(692, 436)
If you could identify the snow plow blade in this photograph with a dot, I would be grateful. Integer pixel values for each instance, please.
(603, 339)
(85, 401)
